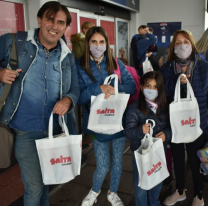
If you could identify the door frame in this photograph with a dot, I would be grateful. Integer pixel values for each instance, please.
(116, 36)
(25, 8)
(78, 19)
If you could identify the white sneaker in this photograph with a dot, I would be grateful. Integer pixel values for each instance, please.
(175, 197)
(114, 199)
(90, 199)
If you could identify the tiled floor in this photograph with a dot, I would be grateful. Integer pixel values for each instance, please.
(11, 186)
(72, 193)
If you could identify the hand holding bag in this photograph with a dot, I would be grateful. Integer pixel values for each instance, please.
(151, 165)
(146, 143)
(147, 66)
(60, 156)
(184, 116)
(106, 114)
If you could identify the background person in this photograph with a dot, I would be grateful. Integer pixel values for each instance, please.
(202, 46)
(79, 39)
(139, 46)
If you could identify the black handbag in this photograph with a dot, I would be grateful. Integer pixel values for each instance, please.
(6, 135)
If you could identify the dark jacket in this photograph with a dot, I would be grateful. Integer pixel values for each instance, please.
(199, 82)
(134, 121)
(88, 88)
(143, 43)
(69, 86)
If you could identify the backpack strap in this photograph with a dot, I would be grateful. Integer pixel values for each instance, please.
(118, 71)
(20, 40)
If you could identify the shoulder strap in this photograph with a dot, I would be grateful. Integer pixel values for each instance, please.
(13, 64)
(92, 77)
(118, 71)
(20, 40)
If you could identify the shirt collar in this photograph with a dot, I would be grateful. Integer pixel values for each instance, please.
(97, 61)
(33, 37)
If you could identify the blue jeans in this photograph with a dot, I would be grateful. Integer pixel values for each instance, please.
(35, 193)
(145, 197)
(102, 156)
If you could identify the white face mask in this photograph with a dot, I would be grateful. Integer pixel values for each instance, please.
(183, 51)
(150, 94)
(97, 51)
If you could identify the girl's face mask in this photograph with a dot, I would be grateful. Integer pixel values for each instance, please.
(150, 94)
(150, 89)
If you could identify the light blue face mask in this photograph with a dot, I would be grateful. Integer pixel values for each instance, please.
(150, 94)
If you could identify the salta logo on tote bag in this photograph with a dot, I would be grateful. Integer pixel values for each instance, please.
(106, 112)
(184, 115)
(155, 168)
(59, 155)
(191, 122)
(62, 160)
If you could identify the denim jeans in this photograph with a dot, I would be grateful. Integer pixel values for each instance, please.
(102, 155)
(35, 192)
(145, 197)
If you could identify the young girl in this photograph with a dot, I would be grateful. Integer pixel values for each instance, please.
(152, 105)
(95, 65)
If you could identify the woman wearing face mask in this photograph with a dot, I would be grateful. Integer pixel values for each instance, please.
(184, 59)
(152, 104)
(95, 65)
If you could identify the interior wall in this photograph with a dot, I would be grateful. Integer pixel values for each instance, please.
(206, 16)
(190, 12)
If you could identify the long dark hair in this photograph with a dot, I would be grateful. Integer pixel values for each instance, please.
(85, 59)
(162, 102)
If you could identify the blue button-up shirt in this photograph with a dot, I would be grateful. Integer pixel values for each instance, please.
(41, 92)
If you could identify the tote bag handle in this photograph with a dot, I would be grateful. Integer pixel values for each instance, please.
(149, 135)
(177, 95)
(50, 127)
(108, 81)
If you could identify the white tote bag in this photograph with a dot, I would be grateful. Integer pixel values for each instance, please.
(60, 157)
(106, 114)
(151, 165)
(184, 116)
(147, 66)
